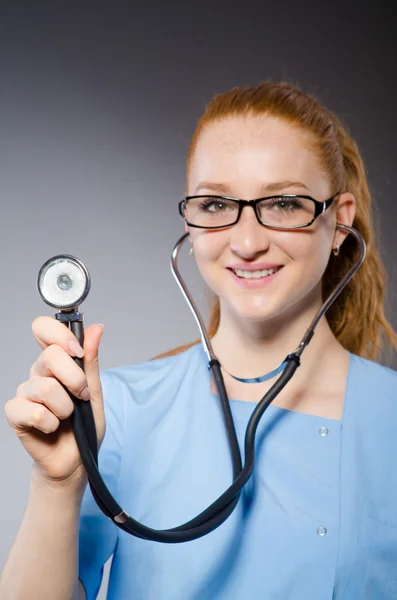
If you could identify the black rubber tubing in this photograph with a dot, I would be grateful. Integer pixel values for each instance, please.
(84, 429)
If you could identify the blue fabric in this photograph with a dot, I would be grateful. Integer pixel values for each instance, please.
(165, 458)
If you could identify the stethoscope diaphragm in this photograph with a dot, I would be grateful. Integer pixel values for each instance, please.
(63, 282)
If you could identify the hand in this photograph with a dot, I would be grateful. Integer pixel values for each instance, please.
(39, 412)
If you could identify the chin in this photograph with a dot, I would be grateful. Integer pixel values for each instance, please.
(258, 312)
(274, 309)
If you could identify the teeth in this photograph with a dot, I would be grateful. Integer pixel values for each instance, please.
(255, 274)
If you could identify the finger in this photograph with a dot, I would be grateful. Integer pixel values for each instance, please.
(24, 415)
(92, 339)
(48, 331)
(47, 391)
(54, 362)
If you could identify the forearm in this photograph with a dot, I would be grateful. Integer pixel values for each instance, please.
(43, 561)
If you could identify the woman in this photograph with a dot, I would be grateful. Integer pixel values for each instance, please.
(318, 519)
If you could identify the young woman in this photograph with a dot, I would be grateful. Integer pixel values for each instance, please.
(318, 519)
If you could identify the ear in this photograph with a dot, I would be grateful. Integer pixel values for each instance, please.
(345, 212)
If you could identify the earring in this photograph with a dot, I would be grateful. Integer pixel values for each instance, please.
(191, 251)
(335, 250)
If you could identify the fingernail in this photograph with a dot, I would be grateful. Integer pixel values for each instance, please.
(76, 349)
(85, 394)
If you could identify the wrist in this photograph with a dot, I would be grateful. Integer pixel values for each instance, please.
(75, 484)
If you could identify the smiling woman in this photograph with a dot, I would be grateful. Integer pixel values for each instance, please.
(270, 176)
(247, 133)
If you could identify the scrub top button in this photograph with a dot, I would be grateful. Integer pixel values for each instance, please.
(322, 531)
(323, 431)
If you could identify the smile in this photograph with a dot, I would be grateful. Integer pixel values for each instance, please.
(255, 274)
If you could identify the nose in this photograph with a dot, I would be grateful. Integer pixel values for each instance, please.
(248, 237)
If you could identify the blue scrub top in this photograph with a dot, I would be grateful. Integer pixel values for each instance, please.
(318, 519)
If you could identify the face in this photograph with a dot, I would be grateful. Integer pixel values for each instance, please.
(253, 157)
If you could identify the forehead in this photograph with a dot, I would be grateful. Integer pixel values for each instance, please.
(244, 151)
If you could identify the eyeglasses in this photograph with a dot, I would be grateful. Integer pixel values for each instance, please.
(286, 211)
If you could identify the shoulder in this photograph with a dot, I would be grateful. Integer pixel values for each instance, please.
(143, 381)
(373, 374)
(373, 388)
(154, 370)
(149, 392)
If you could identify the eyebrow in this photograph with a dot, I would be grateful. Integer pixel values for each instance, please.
(276, 186)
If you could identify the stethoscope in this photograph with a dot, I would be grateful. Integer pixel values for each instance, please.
(63, 283)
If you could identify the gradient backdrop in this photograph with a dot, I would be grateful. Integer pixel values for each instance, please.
(97, 104)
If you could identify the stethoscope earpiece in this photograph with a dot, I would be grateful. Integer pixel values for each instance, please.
(63, 282)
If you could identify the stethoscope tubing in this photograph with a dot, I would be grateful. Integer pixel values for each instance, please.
(208, 520)
(83, 425)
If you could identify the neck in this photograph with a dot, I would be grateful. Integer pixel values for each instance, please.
(251, 349)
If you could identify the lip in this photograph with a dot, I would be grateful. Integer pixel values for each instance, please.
(254, 267)
(261, 282)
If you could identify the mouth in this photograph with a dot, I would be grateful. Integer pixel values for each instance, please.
(258, 274)
(254, 279)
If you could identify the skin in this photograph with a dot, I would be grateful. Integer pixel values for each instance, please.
(247, 157)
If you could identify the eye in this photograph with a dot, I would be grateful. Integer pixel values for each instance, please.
(216, 205)
(283, 204)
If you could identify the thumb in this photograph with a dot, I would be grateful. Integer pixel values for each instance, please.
(92, 337)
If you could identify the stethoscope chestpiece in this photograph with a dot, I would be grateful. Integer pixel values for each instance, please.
(63, 282)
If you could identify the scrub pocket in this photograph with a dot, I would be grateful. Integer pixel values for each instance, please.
(377, 553)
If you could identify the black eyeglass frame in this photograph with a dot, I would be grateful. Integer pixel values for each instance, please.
(319, 208)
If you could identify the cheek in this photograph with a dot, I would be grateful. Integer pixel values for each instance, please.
(209, 245)
(293, 246)
(307, 250)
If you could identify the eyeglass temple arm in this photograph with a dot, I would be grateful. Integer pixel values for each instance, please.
(328, 202)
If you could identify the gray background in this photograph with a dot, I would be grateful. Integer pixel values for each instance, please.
(97, 104)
